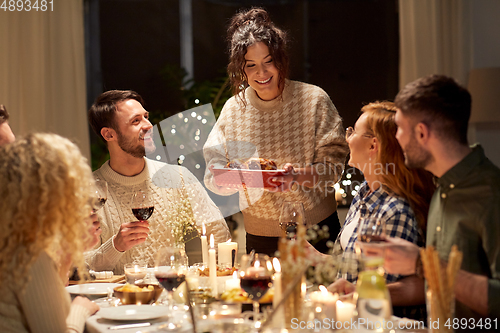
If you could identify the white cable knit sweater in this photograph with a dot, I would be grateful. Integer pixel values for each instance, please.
(164, 184)
(302, 127)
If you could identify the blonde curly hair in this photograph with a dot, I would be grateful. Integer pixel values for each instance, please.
(45, 186)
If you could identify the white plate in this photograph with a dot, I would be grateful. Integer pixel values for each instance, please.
(133, 312)
(94, 289)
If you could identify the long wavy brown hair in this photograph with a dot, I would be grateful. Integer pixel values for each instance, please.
(45, 186)
(247, 28)
(415, 185)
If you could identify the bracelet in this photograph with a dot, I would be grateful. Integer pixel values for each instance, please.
(419, 267)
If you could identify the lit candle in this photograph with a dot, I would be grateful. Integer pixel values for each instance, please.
(212, 266)
(327, 301)
(226, 253)
(233, 283)
(256, 271)
(345, 311)
(135, 272)
(280, 314)
(204, 245)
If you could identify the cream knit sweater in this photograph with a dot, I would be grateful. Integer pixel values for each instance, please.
(164, 184)
(301, 127)
(44, 306)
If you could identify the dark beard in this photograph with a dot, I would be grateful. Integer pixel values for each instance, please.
(136, 150)
(415, 156)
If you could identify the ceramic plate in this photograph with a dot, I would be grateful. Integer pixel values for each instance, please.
(94, 289)
(133, 312)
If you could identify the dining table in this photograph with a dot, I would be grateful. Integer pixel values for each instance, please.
(177, 320)
(212, 317)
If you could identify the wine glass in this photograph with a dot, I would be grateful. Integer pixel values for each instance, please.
(100, 193)
(171, 265)
(142, 205)
(292, 213)
(371, 230)
(256, 277)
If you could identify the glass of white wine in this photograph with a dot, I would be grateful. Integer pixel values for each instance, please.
(292, 214)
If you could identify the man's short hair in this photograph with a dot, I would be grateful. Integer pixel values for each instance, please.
(439, 102)
(102, 112)
(4, 115)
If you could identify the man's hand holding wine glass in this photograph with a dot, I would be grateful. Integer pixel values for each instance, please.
(135, 232)
(131, 234)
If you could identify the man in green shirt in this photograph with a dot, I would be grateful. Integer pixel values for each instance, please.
(432, 124)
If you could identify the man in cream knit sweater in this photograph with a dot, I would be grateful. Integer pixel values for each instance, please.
(122, 122)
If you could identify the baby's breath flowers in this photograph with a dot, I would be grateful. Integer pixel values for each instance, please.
(324, 271)
(183, 217)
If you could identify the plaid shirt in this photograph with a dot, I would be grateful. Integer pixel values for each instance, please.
(399, 221)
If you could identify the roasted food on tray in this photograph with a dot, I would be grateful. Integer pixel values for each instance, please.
(252, 164)
(220, 271)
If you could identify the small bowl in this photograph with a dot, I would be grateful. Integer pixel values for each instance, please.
(157, 290)
(140, 297)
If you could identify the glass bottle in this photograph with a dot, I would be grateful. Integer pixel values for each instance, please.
(373, 300)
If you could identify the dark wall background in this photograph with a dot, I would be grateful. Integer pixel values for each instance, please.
(347, 47)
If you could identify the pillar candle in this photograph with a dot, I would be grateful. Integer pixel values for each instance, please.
(279, 317)
(233, 283)
(226, 253)
(204, 246)
(212, 265)
(345, 311)
(327, 301)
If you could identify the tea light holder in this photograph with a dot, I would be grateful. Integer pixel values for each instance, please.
(135, 272)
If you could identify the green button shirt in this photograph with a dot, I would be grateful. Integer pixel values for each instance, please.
(465, 210)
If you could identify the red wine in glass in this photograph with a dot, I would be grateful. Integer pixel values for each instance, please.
(256, 286)
(372, 238)
(170, 281)
(143, 214)
(142, 205)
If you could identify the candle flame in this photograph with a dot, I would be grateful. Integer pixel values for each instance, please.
(212, 241)
(257, 264)
(235, 275)
(277, 265)
(269, 266)
(204, 230)
(323, 289)
(229, 241)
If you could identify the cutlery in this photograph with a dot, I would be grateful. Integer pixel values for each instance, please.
(119, 327)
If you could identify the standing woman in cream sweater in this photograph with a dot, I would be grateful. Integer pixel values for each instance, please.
(292, 123)
(45, 226)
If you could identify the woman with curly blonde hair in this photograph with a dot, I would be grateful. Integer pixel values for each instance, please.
(44, 227)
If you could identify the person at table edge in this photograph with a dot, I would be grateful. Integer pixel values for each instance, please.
(120, 119)
(432, 118)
